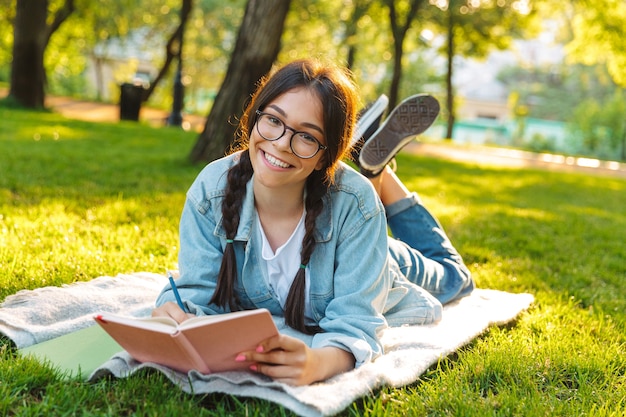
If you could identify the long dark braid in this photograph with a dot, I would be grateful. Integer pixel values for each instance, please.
(294, 307)
(238, 177)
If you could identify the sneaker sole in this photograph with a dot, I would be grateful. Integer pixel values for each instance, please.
(411, 118)
(374, 112)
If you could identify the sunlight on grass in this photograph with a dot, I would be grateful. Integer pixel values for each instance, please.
(87, 200)
(103, 203)
(522, 369)
(65, 244)
(53, 132)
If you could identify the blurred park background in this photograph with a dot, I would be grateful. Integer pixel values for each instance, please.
(80, 199)
(535, 75)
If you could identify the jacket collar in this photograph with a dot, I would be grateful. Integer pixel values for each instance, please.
(323, 223)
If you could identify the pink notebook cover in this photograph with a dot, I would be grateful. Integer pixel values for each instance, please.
(207, 344)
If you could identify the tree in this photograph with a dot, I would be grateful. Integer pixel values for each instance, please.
(256, 49)
(399, 28)
(31, 34)
(173, 48)
(53, 38)
(599, 128)
(473, 28)
(98, 31)
(359, 10)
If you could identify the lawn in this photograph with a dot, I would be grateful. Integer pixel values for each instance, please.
(80, 200)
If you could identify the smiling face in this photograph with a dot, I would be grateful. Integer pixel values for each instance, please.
(275, 166)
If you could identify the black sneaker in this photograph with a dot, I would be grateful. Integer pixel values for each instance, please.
(368, 121)
(410, 118)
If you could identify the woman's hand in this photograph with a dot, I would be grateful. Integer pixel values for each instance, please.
(289, 360)
(171, 309)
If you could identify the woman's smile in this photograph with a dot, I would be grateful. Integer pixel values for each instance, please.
(273, 161)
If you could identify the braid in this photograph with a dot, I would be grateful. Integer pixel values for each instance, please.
(237, 178)
(294, 307)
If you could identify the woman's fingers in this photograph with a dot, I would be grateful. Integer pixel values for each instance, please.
(170, 309)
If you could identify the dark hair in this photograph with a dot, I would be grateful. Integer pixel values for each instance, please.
(337, 93)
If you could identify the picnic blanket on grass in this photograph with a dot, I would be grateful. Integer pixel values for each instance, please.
(30, 317)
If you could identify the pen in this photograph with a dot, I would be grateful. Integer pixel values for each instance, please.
(176, 294)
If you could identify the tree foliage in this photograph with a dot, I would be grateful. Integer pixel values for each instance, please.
(599, 29)
(173, 47)
(379, 40)
(358, 33)
(599, 128)
(7, 17)
(210, 39)
(351, 32)
(473, 28)
(553, 92)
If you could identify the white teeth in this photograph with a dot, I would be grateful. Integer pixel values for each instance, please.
(276, 162)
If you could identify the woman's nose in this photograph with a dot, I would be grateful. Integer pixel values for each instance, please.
(284, 142)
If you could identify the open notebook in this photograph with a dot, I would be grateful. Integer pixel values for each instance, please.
(206, 344)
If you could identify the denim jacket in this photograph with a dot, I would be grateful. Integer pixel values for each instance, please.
(352, 284)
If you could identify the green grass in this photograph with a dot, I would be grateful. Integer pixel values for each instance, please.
(81, 200)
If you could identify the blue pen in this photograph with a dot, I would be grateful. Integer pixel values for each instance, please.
(176, 294)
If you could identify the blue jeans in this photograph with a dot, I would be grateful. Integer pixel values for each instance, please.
(423, 252)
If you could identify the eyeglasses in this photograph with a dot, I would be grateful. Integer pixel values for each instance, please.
(302, 144)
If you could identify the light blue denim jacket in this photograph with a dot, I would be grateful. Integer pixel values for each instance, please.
(352, 283)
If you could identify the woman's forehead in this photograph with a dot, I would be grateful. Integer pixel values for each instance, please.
(299, 104)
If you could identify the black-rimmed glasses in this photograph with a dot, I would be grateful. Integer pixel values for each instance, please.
(302, 144)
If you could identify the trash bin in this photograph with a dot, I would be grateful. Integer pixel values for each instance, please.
(130, 101)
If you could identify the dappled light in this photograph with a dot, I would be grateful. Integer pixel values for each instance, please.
(524, 168)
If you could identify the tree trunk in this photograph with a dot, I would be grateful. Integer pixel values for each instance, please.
(624, 143)
(449, 86)
(360, 9)
(173, 48)
(256, 49)
(28, 76)
(396, 76)
(31, 34)
(399, 31)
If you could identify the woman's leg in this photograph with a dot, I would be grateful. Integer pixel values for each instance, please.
(389, 187)
(419, 245)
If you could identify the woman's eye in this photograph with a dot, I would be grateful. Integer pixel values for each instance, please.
(308, 138)
(274, 120)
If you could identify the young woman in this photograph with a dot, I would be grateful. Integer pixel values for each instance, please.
(283, 224)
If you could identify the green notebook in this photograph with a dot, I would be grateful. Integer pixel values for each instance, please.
(76, 354)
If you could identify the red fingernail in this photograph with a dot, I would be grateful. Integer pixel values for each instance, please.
(240, 358)
(259, 349)
(253, 368)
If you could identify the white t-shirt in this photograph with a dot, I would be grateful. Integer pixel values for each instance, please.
(283, 264)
